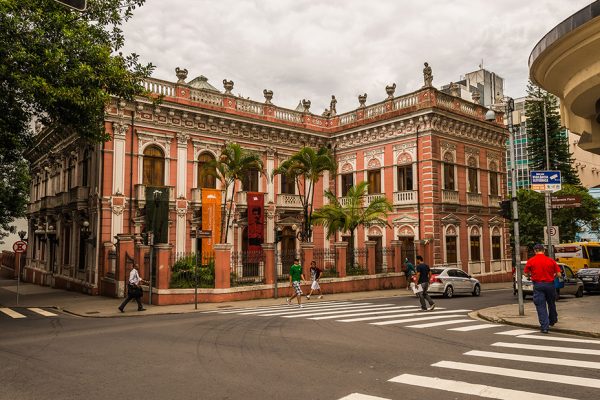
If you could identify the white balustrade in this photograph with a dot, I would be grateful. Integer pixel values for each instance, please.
(346, 119)
(159, 87)
(450, 196)
(474, 199)
(289, 200)
(249, 107)
(405, 197)
(404, 102)
(242, 198)
(204, 97)
(375, 110)
(288, 115)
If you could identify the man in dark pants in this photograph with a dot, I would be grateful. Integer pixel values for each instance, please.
(134, 291)
(542, 270)
(423, 275)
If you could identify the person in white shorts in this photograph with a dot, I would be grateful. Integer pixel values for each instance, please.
(315, 274)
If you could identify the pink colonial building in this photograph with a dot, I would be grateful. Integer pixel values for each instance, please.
(433, 155)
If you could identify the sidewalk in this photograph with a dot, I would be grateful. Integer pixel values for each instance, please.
(575, 316)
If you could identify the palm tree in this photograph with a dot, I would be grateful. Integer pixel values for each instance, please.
(233, 164)
(306, 168)
(336, 217)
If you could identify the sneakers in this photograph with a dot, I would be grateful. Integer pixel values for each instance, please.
(308, 297)
(432, 307)
(301, 305)
(288, 302)
(321, 296)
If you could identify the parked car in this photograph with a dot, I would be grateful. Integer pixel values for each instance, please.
(568, 283)
(590, 278)
(451, 281)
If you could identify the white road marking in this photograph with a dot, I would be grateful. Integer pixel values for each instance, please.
(42, 312)
(519, 373)
(489, 392)
(360, 396)
(279, 308)
(474, 327)
(535, 359)
(403, 315)
(573, 350)
(432, 324)
(389, 310)
(515, 332)
(558, 339)
(294, 308)
(401, 321)
(12, 313)
(310, 313)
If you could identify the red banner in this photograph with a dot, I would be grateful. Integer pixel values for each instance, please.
(256, 220)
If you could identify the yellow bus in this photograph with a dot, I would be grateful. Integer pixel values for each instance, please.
(578, 255)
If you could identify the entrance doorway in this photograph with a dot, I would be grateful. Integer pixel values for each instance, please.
(378, 252)
(407, 246)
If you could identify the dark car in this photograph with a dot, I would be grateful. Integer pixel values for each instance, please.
(590, 278)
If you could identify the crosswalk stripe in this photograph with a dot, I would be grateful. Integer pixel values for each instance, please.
(418, 319)
(535, 359)
(489, 392)
(310, 313)
(402, 315)
(274, 308)
(519, 373)
(474, 327)
(42, 312)
(432, 324)
(360, 396)
(388, 311)
(559, 339)
(515, 332)
(573, 350)
(294, 307)
(12, 313)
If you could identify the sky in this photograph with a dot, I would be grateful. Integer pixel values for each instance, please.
(311, 49)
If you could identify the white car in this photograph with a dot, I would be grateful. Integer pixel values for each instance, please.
(451, 281)
(568, 283)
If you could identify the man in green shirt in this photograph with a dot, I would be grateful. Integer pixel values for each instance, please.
(296, 276)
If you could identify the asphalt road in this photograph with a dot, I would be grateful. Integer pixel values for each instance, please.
(292, 354)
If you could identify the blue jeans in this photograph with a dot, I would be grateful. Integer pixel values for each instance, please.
(544, 294)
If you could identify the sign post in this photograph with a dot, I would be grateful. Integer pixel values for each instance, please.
(547, 182)
(553, 238)
(19, 247)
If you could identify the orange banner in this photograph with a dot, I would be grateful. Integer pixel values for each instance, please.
(211, 217)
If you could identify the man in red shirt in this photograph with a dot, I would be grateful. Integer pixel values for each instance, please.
(542, 270)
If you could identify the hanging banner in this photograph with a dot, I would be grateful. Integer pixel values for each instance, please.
(256, 220)
(211, 218)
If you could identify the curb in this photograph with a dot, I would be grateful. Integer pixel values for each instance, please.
(499, 320)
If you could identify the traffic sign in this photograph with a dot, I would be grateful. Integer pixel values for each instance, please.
(545, 181)
(566, 201)
(20, 246)
(554, 236)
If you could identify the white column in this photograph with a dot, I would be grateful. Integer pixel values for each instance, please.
(270, 167)
(181, 191)
(119, 131)
(325, 201)
(180, 229)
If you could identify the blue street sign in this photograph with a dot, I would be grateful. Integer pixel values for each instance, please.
(545, 181)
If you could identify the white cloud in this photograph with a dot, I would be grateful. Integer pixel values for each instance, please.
(314, 48)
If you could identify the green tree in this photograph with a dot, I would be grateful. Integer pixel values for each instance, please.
(558, 139)
(336, 217)
(570, 221)
(233, 164)
(59, 67)
(306, 168)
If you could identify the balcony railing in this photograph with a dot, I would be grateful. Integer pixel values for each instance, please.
(140, 194)
(405, 197)
(289, 200)
(450, 196)
(474, 199)
(241, 199)
(494, 200)
(79, 193)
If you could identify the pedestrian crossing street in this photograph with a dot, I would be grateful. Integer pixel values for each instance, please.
(21, 313)
(528, 359)
(369, 313)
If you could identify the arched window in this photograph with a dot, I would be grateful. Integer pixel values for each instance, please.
(496, 245)
(449, 183)
(472, 181)
(250, 181)
(451, 237)
(475, 244)
(154, 166)
(493, 179)
(206, 176)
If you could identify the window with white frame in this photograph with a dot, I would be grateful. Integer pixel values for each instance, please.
(374, 180)
(472, 178)
(493, 179)
(451, 239)
(448, 169)
(347, 182)
(405, 177)
(496, 245)
(475, 244)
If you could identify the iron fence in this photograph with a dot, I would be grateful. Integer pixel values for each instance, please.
(357, 262)
(285, 260)
(247, 267)
(192, 270)
(410, 253)
(326, 260)
(384, 259)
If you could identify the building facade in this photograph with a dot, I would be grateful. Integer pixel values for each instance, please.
(431, 154)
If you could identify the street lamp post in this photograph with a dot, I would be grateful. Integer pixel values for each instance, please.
(491, 116)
